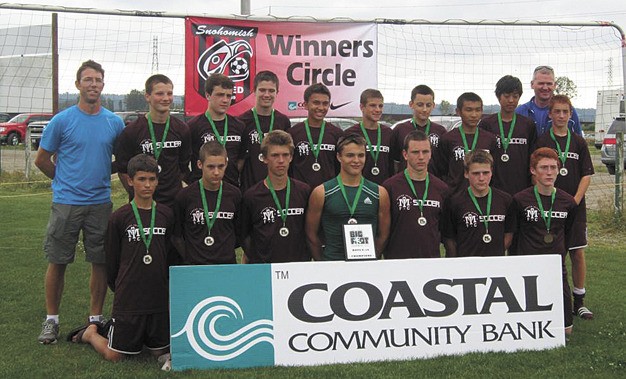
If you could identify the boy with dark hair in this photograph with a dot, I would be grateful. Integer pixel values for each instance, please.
(545, 216)
(477, 221)
(273, 209)
(378, 162)
(137, 246)
(216, 124)
(574, 178)
(160, 135)
(515, 136)
(259, 121)
(416, 199)
(448, 159)
(314, 160)
(207, 211)
(422, 103)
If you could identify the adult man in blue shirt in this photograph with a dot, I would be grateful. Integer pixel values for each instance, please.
(544, 84)
(81, 140)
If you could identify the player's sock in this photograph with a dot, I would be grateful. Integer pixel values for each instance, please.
(55, 318)
(96, 318)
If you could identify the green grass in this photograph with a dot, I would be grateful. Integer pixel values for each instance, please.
(597, 348)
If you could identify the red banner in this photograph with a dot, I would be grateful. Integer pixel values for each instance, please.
(342, 56)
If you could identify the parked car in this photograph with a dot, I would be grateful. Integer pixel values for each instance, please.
(341, 123)
(608, 144)
(14, 131)
(448, 122)
(130, 116)
(36, 130)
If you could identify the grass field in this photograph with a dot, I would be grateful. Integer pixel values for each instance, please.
(597, 348)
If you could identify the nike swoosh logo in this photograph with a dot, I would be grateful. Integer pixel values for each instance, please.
(333, 106)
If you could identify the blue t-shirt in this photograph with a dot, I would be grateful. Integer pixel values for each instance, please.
(83, 144)
(542, 121)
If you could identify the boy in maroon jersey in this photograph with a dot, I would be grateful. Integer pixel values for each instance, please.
(273, 209)
(258, 121)
(545, 215)
(378, 161)
(416, 198)
(160, 135)
(216, 124)
(207, 211)
(448, 159)
(422, 103)
(574, 178)
(515, 135)
(314, 159)
(137, 245)
(478, 221)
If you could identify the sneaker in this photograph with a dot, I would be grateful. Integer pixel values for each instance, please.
(579, 308)
(49, 332)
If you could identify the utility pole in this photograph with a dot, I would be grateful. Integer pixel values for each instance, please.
(155, 54)
(245, 7)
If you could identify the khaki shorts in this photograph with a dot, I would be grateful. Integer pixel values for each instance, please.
(65, 224)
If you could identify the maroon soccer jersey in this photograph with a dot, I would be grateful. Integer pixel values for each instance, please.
(464, 224)
(301, 167)
(531, 228)
(408, 238)
(254, 170)
(578, 162)
(384, 164)
(511, 174)
(261, 221)
(201, 132)
(139, 288)
(448, 158)
(192, 225)
(173, 161)
(400, 132)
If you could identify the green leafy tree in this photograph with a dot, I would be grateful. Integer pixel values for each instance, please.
(136, 101)
(445, 107)
(565, 86)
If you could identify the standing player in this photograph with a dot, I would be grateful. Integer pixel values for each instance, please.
(416, 198)
(137, 246)
(207, 210)
(81, 137)
(378, 161)
(574, 178)
(544, 84)
(422, 103)
(259, 121)
(545, 216)
(477, 221)
(160, 135)
(448, 159)
(348, 198)
(515, 138)
(314, 160)
(273, 209)
(216, 124)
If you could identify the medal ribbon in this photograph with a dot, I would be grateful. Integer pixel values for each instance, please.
(352, 207)
(546, 219)
(562, 154)
(426, 185)
(506, 140)
(315, 149)
(155, 146)
(427, 130)
(146, 241)
(373, 153)
(220, 139)
(210, 221)
(258, 124)
(283, 214)
(486, 219)
(474, 141)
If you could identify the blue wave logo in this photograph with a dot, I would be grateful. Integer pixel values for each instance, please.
(211, 344)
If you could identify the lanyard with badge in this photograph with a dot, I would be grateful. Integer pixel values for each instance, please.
(474, 141)
(284, 231)
(358, 238)
(147, 258)
(421, 220)
(549, 237)
(315, 148)
(156, 147)
(486, 236)
(427, 128)
(257, 124)
(506, 140)
(220, 139)
(374, 154)
(210, 221)
(562, 154)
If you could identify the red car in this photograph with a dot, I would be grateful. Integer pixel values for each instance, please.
(13, 131)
